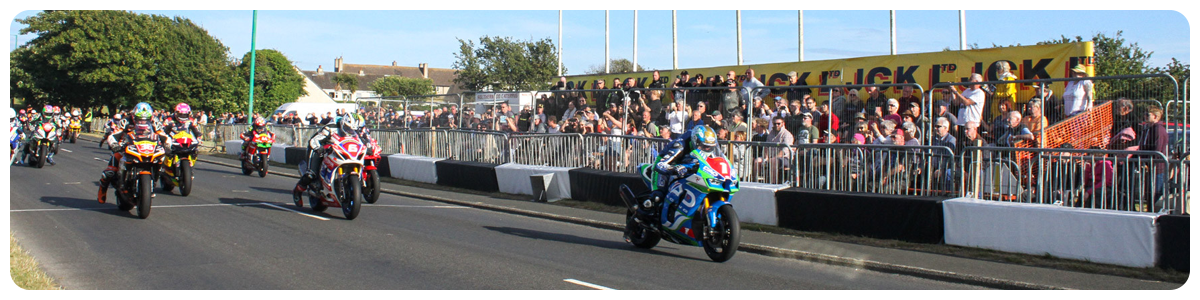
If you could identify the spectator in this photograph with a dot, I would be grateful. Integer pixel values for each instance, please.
(537, 127)
(908, 98)
(599, 98)
(827, 123)
(740, 127)
(943, 111)
(793, 121)
(1012, 131)
(749, 83)
(941, 135)
(1002, 118)
(717, 121)
(1077, 97)
(781, 110)
(970, 101)
(854, 104)
(1153, 137)
(1035, 121)
(883, 132)
(729, 98)
(809, 105)
(838, 105)
(875, 101)
(1004, 91)
(677, 116)
(805, 133)
(696, 117)
(796, 93)
(911, 134)
(893, 111)
(1123, 116)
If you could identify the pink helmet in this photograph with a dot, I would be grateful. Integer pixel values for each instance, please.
(183, 109)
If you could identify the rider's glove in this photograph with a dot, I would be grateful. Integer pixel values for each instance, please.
(680, 170)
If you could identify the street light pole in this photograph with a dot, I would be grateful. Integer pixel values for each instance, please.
(253, 31)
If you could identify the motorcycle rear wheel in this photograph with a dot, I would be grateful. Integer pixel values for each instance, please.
(638, 236)
(316, 204)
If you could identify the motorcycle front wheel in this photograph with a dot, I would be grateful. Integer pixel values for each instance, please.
(145, 190)
(723, 244)
(352, 197)
(185, 178)
(263, 160)
(42, 152)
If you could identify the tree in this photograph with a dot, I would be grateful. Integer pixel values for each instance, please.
(1115, 57)
(276, 81)
(615, 66)
(119, 58)
(504, 64)
(346, 82)
(392, 86)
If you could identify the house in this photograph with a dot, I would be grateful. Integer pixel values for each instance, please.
(443, 79)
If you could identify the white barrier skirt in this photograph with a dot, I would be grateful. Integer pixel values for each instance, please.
(1113, 237)
(755, 203)
(233, 147)
(414, 168)
(514, 179)
(278, 154)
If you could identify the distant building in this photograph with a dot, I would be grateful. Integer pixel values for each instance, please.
(443, 79)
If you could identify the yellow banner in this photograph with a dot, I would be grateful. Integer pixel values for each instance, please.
(926, 69)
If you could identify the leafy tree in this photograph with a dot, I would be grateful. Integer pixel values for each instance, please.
(1115, 57)
(615, 66)
(276, 81)
(504, 64)
(346, 82)
(392, 86)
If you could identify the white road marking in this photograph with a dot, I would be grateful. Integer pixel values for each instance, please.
(240, 191)
(591, 285)
(71, 182)
(296, 211)
(68, 151)
(417, 206)
(99, 208)
(97, 158)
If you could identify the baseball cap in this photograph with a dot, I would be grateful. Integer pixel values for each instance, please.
(716, 113)
(859, 115)
(806, 115)
(792, 74)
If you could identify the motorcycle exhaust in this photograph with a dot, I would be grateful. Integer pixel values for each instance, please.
(627, 197)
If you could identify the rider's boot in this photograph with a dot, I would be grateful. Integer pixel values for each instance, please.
(50, 158)
(105, 178)
(301, 186)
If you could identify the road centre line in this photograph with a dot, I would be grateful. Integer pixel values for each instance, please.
(591, 285)
(418, 206)
(68, 151)
(296, 211)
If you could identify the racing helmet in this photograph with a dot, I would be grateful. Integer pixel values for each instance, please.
(143, 111)
(117, 117)
(704, 139)
(12, 113)
(182, 109)
(347, 125)
(48, 109)
(259, 123)
(75, 112)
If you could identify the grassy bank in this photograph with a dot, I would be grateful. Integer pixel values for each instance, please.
(25, 271)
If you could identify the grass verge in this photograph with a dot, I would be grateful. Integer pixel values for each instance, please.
(25, 271)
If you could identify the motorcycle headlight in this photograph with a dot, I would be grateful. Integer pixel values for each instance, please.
(714, 182)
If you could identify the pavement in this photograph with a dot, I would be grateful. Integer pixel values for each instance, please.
(242, 232)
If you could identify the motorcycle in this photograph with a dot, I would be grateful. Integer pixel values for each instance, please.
(695, 210)
(44, 136)
(177, 167)
(142, 160)
(370, 173)
(340, 182)
(258, 154)
(73, 130)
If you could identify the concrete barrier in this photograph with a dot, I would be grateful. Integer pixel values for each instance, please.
(1104, 236)
(279, 153)
(755, 203)
(233, 147)
(413, 168)
(514, 179)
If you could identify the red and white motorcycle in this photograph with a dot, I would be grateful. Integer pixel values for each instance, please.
(340, 177)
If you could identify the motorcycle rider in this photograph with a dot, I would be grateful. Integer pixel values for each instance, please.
(674, 160)
(118, 140)
(112, 126)
(257, 127)
(14, 122)
(318, 144)
(182, 120)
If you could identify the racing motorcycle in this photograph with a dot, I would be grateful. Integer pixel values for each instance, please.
(44, 136)
(370, 173)
(177, 167)
(143, 158)
(340, 183)
(695, 210)
(73, 130)
(258, 154)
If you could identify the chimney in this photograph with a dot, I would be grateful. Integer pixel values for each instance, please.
(393, 63)
(320, 71)
(360, 73)
(337, 64)
(424, 70)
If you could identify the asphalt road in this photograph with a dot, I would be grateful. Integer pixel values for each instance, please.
(242, 232)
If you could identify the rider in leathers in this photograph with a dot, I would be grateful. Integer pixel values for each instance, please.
(122, 138)
(182, 120)
(671, 161)
(257, 127)
(317, 145)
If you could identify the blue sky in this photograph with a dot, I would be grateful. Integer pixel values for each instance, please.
(706, 38)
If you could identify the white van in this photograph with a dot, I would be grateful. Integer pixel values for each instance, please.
(302, 110)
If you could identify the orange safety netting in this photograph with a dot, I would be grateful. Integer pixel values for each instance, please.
(1083, 131)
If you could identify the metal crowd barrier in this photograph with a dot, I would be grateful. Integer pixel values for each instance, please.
(477, 146)
(759, 161)
(420, 142)
(555, 150)
(388, 140)
(879, 169)
(1100, 179)
(619, 153)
